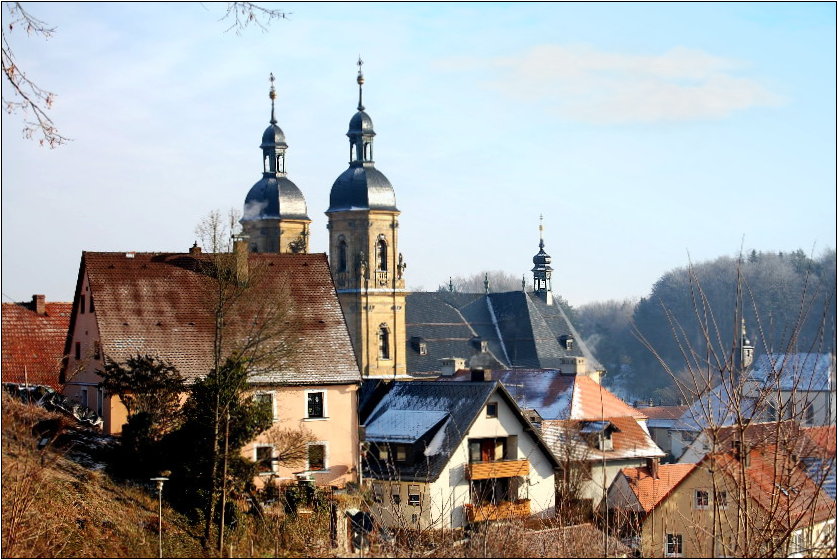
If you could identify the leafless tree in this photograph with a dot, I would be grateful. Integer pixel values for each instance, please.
(253, 317)
(760, 498)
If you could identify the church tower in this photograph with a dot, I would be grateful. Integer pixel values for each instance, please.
(364, 257)
(541, 271)
(275, 219)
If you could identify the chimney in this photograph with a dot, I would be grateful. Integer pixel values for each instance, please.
(653, 463)
(195, 249)
(480, 374)
(39, 304)
(240, 251)
(450, 366)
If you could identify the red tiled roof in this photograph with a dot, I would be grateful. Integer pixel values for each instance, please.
(649, 490)
(822, 437)
(663, 412)
(779, 485)
(592, 401)
(162, 304)
(33, 345)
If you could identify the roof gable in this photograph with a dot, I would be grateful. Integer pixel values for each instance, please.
(163, 304)
(33, 344)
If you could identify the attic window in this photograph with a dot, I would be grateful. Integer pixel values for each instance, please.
(401, 453)
(566, 341)
(492, 410)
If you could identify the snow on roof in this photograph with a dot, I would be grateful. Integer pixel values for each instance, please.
(801, 371)
(403, 426)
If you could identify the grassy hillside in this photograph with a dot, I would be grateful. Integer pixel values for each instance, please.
(54, 507)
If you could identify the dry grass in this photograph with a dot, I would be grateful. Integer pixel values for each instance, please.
(53, 507)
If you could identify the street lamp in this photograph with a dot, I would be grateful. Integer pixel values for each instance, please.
(160, 480)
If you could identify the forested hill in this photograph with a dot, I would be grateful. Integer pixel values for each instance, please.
(788, 302)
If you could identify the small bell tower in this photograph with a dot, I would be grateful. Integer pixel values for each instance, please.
(542, 272)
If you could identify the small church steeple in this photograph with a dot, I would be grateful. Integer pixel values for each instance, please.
(541, 271)
(745, 355)
(275, 218)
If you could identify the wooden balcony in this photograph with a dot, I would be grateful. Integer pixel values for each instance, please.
(495, 512)
(497, 469)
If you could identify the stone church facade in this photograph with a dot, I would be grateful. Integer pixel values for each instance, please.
(397, 334)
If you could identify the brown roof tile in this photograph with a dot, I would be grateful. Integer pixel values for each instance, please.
(592, 401)
(630, 440)
(663, 412)
(33, 345)
(649, 490)
(162, 304)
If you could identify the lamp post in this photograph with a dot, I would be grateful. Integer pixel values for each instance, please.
(160, 480)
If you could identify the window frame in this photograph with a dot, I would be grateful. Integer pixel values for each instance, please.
(377, 492)
(261, 463)
(324, 410)
(396, 493)
(489, 406)
(256, 395)
(414, 499)
(674, 540)
(325, 447)
(401, 453)
(721, 499)
(384, 349)
(701, 495)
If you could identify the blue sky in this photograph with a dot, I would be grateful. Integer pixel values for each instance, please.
(646, 134)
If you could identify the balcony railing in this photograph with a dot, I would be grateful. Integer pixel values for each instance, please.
(497, 469)
(494, 512)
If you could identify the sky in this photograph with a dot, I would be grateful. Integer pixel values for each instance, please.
(648, 135)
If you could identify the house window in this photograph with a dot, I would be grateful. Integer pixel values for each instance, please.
(83, 397)
(82, 304)
(701, 499)
(266, 400)
(92, 309)
(401, 453)
(674, 545)
(316, 404)
(384, 342)
(810, 414)
(492, 410)
(413, 495)
(383, 452)
(396, 494)
(316, 457)
(100, 401)
(264, 458)
(605, 441)
(377, 492)
(78, 350)
(423, 348)
(721, 499)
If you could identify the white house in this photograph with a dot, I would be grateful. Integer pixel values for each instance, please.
(446, 455)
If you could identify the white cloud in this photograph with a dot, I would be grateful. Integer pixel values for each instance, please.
(585, 84)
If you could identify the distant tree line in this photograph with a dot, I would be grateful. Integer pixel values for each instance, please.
(787, 298)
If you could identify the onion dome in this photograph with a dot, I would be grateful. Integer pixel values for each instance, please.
(274, 196)
(362, 186)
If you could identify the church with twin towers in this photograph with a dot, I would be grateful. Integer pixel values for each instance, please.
(396, 334)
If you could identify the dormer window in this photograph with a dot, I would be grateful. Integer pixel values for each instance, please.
(605, 441)
(566, 341)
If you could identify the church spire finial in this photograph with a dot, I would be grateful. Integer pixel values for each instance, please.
(360, 84)
(272, 95)
(541, 231)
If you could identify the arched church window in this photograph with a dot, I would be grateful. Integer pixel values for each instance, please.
(384, 342)
(367, 151)
(280, 163)
(265, 164)
(382, 254)
(342, 261)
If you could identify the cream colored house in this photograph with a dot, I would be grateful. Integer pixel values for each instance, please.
(447, 455)
(161, 304)
(756, 503)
